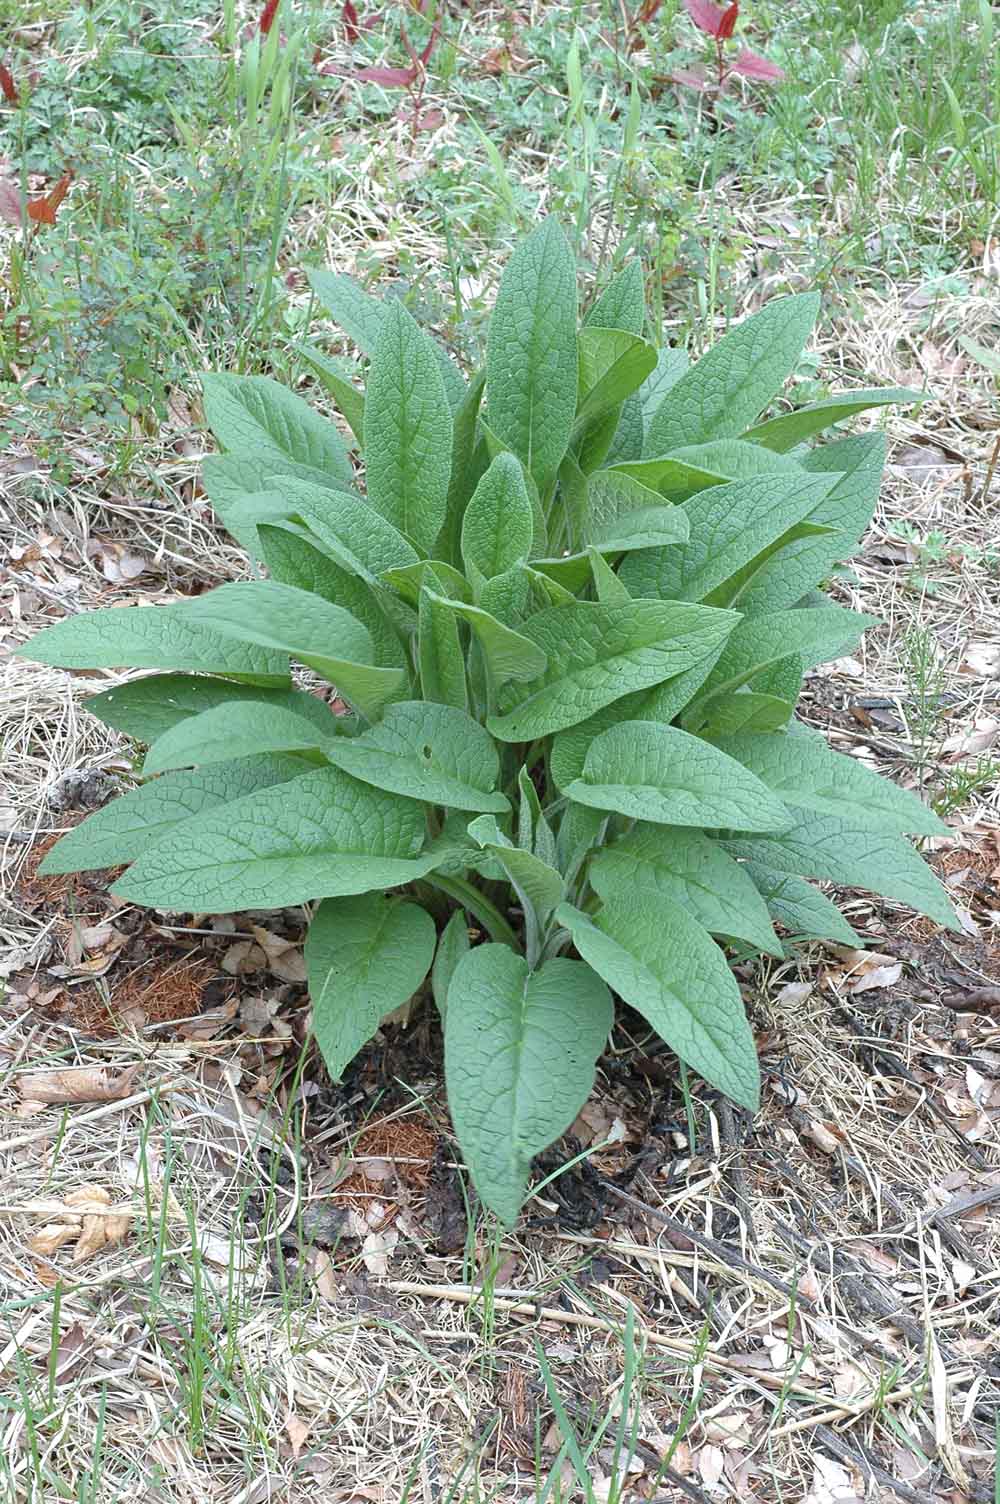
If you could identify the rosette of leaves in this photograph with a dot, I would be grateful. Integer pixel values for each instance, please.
(569, 603)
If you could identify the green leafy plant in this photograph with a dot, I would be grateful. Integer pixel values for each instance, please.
(570, 616)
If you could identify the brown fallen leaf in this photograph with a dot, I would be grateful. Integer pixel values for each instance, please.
(77, 1084)
(85, 1217)
(297, 1430)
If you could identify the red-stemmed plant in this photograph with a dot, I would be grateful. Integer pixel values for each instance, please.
(719, 23)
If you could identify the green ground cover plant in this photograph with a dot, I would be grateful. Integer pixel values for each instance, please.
(570, 613)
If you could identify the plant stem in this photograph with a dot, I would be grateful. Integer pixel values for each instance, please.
(478, 904)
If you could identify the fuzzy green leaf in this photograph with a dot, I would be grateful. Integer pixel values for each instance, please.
(801, 769)
(365, 956)
(531, 359)
(134, 822)
(498, 526)
(451, 947)
(426, 751)
(720, 395)
(597, 653)
(648, 771)
(154, 637)
(254, 416)
(850, 852)
(684, 867)
(324, 835)
(662, 963)
(408, 430)
(242, 729)
(146, 708)
(800, 908)
(520, 1049)
(788, 429)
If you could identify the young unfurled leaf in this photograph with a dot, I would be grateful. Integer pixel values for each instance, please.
(751, 65)
(531, 360)
(366, 956)
(511, 1094)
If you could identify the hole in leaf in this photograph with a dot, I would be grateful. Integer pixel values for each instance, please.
(425, 752)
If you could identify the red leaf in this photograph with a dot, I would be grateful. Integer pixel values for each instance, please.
(43, 210)
(752, 65)
(713, 19)
(8, 85)
(352, 28)
(389, 78)
(267, 16)
(729, 16)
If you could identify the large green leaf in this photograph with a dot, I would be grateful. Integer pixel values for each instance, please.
(336, 378)
(365, 956)
(859, 461)
(531, 360)
(293, 560)
(801, 769)
(697, 467)
(245, 492)
(361, 317)
(622, 304)
(720, 395)
(508, 654)
(597, 654)
(253, 416)
(323, 636)
(744, 711)
(426, 751)
(134, 822)
(442, 658)
(613, 364)
(537, 882)
(850, 852)
(731, 529)
(612, 496)
(241, 729)
(360, 539)
(520, 1049)
(347, 303)
(796, 565)
(649, 771)
(498, 526)
(154, 637)
(815, 634)
(408, 430)
(324, 835)
(662, 963)
(146, 708)
(685, 867)
(451, 947)
(796, 905)
(788, 429)
(661, 703)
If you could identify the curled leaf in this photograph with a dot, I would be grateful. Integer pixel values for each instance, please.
(349, 17)
(8, 85)
(267, 16)
(715, 20)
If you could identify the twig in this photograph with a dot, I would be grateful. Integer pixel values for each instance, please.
(721, 1251)
(107, 1110)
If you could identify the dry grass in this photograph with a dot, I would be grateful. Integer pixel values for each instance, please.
(277, 1319)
